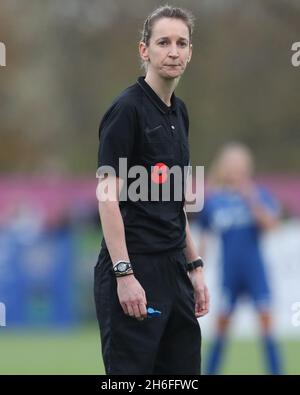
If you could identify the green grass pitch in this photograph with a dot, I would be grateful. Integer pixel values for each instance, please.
(78, 352)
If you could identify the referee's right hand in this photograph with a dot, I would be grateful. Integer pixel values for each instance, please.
(132, 297)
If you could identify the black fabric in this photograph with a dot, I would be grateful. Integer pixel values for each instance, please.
(168, 344)
(140, 127)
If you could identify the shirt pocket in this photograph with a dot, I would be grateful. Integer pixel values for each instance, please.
(155, 134)
(158, 142)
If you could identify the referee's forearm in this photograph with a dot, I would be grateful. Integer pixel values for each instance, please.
(113, 230)
(190, 250)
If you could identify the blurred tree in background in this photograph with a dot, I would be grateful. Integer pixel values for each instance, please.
(67, 60)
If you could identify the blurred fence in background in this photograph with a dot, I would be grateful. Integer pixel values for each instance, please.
(49, 237)
(36, 278)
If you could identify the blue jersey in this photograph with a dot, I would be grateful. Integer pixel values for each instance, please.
(228, 214)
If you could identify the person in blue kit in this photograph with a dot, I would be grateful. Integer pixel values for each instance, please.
(149, 285)
(238, 211)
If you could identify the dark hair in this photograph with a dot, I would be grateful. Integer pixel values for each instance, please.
(166, 11)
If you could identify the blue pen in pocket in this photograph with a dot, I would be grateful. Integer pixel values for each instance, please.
(151, 313)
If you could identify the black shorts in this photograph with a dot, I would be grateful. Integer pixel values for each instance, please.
(168, 344)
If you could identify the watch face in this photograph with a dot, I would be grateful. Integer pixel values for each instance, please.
(122, 267)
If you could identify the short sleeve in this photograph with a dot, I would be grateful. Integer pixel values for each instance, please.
(117, 133)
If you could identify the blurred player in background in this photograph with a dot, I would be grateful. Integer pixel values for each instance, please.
(239, 211)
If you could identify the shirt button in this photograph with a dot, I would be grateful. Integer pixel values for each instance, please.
(173, 127)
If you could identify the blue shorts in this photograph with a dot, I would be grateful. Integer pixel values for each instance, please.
(249, 282)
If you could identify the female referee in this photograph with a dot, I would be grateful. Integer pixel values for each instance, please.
(149, 287)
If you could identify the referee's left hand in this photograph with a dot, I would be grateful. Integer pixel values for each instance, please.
(200, 292)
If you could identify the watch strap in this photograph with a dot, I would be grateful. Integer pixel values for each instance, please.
(125, 272)
(194, 264)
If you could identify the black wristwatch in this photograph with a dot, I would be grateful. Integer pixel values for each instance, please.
(122, 268)
(193, 265)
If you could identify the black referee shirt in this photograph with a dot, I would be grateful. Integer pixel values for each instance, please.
(139, 126)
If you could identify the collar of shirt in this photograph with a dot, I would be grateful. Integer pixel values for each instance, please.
(156, 100)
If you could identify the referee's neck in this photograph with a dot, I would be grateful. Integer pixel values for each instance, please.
(164, 88)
